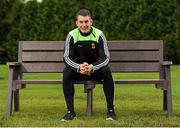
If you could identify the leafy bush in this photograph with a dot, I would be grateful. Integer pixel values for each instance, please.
(119, 19)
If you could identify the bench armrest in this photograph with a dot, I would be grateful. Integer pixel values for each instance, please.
(164, 63)
(13, 63)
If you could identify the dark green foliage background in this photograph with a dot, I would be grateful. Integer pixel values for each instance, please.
(119, 19)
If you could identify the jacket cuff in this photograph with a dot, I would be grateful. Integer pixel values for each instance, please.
(92, 69)
(78, 69)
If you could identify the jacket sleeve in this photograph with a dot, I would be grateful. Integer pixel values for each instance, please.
(103, 52)
(69, 51)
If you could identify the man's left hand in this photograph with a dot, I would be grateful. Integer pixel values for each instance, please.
(88, 69)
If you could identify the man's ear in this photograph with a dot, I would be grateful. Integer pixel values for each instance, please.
(76, 23)
(91, 21)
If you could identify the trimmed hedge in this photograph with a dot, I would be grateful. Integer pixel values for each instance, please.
(119, 19)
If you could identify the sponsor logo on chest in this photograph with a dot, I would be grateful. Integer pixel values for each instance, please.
(93, 45)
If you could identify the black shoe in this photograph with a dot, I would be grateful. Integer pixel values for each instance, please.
(111, 115)
(69, 116)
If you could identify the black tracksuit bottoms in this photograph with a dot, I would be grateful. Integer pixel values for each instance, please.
(103, 73)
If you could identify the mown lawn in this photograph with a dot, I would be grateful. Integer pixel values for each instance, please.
(135, 105)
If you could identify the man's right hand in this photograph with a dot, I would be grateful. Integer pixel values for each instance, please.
(83, 68)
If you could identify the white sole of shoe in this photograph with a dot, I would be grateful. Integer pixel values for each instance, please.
(111, 119)
(63, 120)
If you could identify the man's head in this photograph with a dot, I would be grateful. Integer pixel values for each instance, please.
(83, 20)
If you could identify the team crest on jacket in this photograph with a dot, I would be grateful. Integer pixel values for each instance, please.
(93, 46)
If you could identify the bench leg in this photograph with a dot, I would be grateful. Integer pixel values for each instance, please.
(89, 109)
(169, 102)
(88, 87)
(12, 91)
(16, 100)
(10, 94)
(167, 105)
(165, 100)
(9, 102)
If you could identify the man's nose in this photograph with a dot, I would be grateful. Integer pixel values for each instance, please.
(84, 23)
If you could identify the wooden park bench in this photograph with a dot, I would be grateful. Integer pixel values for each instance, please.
(126, 56)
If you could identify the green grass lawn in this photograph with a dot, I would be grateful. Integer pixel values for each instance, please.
(135, 105)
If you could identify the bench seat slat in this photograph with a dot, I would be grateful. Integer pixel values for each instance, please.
(123, 81)
(134, 55)
(115, 67)
(135, 44)
(39, 56)
(42, 45)
(115, 55)
(134, 66)
(42, 67)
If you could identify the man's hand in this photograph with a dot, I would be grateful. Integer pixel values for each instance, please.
(83, 67)
(86, 68)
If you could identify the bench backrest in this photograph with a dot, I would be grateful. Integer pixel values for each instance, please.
(126, 55)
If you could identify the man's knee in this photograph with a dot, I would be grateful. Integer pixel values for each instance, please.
(67, 73)
(105, 70)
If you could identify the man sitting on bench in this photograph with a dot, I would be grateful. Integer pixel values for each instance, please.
(86, 58)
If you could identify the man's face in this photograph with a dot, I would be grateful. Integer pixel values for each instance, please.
(84, 23)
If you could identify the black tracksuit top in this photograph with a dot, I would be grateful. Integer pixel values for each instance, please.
(87, 50)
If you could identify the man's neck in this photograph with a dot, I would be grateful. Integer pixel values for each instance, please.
(86, 34)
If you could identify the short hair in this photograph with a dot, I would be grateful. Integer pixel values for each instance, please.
(83, 12)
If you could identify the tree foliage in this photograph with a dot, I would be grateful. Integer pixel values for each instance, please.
(5, 22)
(119, 19)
